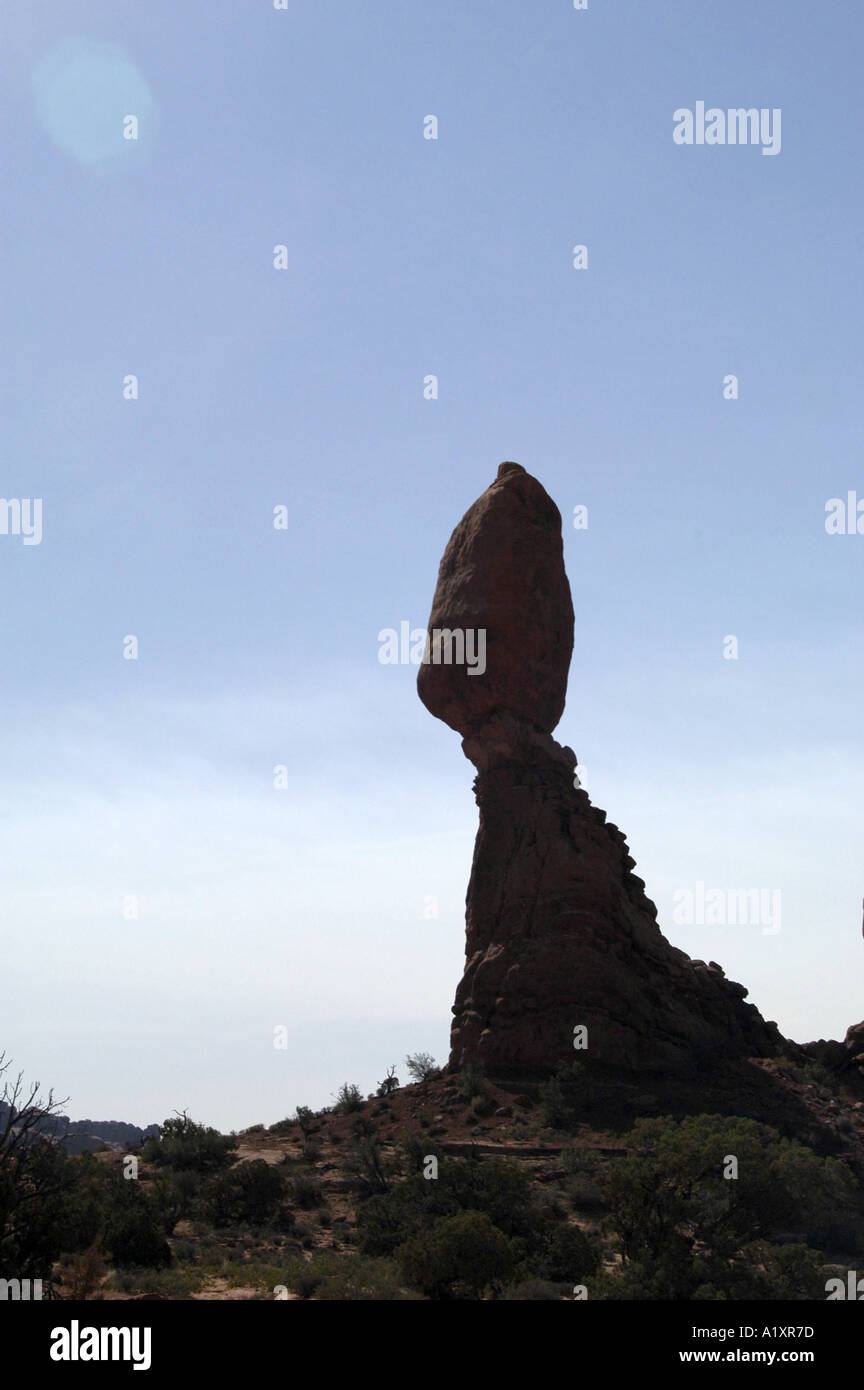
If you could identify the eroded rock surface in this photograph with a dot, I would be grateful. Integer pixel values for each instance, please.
(560, 933)
(503, 573)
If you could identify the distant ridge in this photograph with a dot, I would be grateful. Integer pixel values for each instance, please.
(79, 1136)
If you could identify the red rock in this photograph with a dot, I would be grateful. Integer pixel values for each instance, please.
(559, 930)
(503, 573)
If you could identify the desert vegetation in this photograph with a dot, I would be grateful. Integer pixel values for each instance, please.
(448, 1188)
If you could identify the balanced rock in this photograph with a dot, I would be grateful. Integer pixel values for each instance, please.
(560, 934)
(502, 574)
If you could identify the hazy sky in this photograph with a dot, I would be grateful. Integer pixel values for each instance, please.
(153, 779)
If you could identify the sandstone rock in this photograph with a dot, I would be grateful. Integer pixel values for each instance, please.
(503, 573)
(846, 1058)
(559, 936)
(559, 930)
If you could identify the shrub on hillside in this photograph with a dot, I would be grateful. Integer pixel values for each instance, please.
(683, 1226)
(493, 1187)
(348, 1099)
(249, 1194)
(458, 1257)
(421, 1067)
(564, 1254)
(133, 1232)
(306, 1192)
(472, 1081)
(183, 1144)
(364, 1160)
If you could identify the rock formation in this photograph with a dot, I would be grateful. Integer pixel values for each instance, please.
(845, 1058)
(560, 933)
(503, 571)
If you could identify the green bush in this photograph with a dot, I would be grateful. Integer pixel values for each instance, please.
(364, 1161)
(458, 1257)
(421, 1067)
(348, 1099)
(249, 1194)
(565, 1255)
(533, 1290)
(66, 1216)
(306, 1192)
(582, 1167)
(472, 1081)
(135, 1237)
(332, 1277)
(183, 1144)
(175, 1194)
(684, 1227)
(389, 1084)
(494, 1187)
(564, 1096)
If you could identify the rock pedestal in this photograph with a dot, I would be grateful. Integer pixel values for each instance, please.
(561, 935)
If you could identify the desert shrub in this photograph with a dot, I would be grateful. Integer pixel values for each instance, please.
(498, 1189)
(564, 1255)
(48, 1204)
(533, 1290)
(766, 1271)
(249, 1193)
(565, 1095)
(306, 1192)
(83, 1274)
(483, 1104)
(185, 1251)
(582, 1167)
(413, 1148)
(421, 1067)
(135, 1237)
(259, 1274)
(283, 1217)
(472, 1081)
(817, 1074)
(303, 1277)
(363, 1161)
(348, 1099)
(332, 1277)
(458, 1257)
(304, 1234)
(389, 1084)
(183, 1144)
(682, 1226)
(175, 1194)
(169, 1283)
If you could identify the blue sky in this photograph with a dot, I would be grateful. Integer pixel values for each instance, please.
(257, 387)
